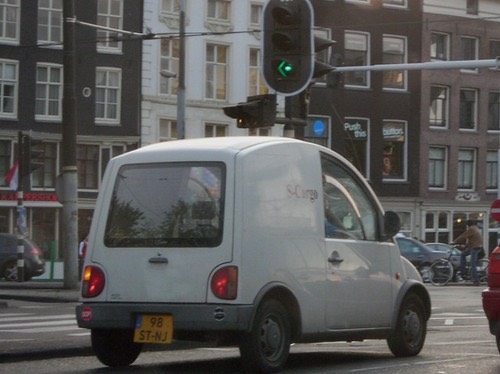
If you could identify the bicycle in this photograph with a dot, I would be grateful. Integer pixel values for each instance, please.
(442, 271)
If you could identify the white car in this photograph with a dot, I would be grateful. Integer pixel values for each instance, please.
(253, 241)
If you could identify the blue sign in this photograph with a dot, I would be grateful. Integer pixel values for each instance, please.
(319, 127)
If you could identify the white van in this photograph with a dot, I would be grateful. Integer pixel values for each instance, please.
(250, 241)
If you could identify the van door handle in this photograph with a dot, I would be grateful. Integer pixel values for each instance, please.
(158, 260)
(335, 258)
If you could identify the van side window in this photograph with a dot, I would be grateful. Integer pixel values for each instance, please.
(167, 205)
(349, 211)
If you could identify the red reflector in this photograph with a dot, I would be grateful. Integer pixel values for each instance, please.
(93, 281)
(224, 283)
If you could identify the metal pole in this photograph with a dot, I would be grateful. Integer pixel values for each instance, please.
(20, 207)
(181, 87)
(69, 170)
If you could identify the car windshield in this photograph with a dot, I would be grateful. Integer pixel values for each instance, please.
(167, 205)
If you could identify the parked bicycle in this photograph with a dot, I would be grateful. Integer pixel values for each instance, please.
(442, 271)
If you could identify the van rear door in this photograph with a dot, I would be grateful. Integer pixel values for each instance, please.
(162, 233)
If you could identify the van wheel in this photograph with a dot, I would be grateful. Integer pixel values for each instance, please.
(409, 336)
(115, 348)
(10, 271)
(265, 348)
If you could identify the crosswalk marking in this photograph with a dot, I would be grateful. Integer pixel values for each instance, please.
(30, 323)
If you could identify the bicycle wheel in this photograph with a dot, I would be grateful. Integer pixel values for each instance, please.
(441, 272)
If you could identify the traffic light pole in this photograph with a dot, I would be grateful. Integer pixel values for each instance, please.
(20, 207)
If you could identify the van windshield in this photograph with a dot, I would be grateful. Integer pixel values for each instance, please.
(167, 205)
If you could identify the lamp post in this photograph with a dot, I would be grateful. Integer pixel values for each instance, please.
(181, 87)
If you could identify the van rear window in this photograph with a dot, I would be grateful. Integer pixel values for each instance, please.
(167, 205)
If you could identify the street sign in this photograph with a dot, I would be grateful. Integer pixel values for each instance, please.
(495, 210)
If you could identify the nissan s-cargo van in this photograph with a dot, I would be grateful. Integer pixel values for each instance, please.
(256, 242)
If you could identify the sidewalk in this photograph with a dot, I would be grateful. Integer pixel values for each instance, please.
(42, 291)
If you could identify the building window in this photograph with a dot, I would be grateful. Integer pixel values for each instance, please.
(394, 52)
(322, 56)
(256, 82)
(50, 26)
(219, 10)
(466, 169)
(468, 109)
(437, 227)
(216, 72)
(494, 48)
(256, 15)
(109, 14)
(494, 111)
(394, 151)
(356, 135)
(492, 170)
(469, 47)
(49, 89)
(472, 6)
(440, 46)
(9, 20)
(213, 130)
(395, 3)
(356, 54)
(5, 160)
(437, 167)
(169, 63)
(8, 88)
(170, 6)
(358, 1)
(439, 107)
(108, 94)
(167, 129)
(45, 176)
(87, 161)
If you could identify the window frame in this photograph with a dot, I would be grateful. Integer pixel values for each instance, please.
(170, 62)
(46, 116)
(106, 19)
(213, 68)
(446, 45)
(16, 8)
(494, 112)
(466, 166)
(54, 26)
(215, 129)
(435, 173)
(256, 82)
(470, 108)
(14, 83)
(107, 90)
(366, 75)
(445, 111)
(403, 57)
(465, 55)
(403, 152)
(492, 170)
(167, 129)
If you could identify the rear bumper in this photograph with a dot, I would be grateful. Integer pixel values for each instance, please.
(491, 306)
(186, 317)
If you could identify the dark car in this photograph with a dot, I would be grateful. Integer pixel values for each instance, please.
(34, 264)
(420, 255)
(443, 247)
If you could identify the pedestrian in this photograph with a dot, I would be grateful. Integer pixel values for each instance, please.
(473, 247)
(82, 249)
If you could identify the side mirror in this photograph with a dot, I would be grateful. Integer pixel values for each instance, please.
(392, 224)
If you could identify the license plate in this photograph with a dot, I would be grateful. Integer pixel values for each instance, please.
(153, 328)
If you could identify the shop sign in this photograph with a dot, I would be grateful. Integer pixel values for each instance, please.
(29, 196)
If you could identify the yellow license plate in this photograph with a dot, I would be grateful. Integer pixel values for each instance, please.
(153, 328)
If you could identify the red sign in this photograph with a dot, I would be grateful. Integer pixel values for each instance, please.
(495, 210)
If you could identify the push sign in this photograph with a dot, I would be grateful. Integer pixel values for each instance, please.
(318, 130)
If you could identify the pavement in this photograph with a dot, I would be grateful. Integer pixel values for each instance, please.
(38, 291)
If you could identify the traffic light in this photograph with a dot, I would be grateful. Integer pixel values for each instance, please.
(288, 45)
(321, 68)
(334, 78)
(258, 111)
(32, 154)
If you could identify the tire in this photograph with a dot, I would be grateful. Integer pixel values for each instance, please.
(409, 335)
(10, 271)
(266, 347)
(115, 348)
(440, 273)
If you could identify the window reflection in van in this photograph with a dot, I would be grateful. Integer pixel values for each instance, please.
(187, 210)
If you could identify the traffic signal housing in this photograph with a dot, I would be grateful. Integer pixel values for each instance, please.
(288, 45)
(257, 111)
(32, 154)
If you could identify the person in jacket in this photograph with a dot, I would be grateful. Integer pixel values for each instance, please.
(474, 245)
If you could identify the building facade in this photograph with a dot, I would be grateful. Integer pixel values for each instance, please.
(427, 140)
(107, 90)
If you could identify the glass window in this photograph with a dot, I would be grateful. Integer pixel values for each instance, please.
(256, 15)
(469, 47)
(49, 92)
(349, 210)
(170, 6)
(439, 107)
(395, 3)
(5, 160)
(356, 133)
(50, 26)
(219, 10)
(87, 161)
(168, 129)
(8, 88)
(190, 214)
(494, 48)
(109, 14)
(394, 52)
(472, 6)
(494, 111)
(440, 47)
(468, 109)
(256, 82)
(215, 130)
(437, 167)
(394, 151)
(466, 169)
(437, 227)
(9, 20)
(169, 62)
(216, 72)
(356, 54)
(492, 170)
(108, 94)
(45, 176)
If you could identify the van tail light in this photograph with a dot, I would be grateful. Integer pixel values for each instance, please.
(224, 283)
(494, 269)
(93, 281)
